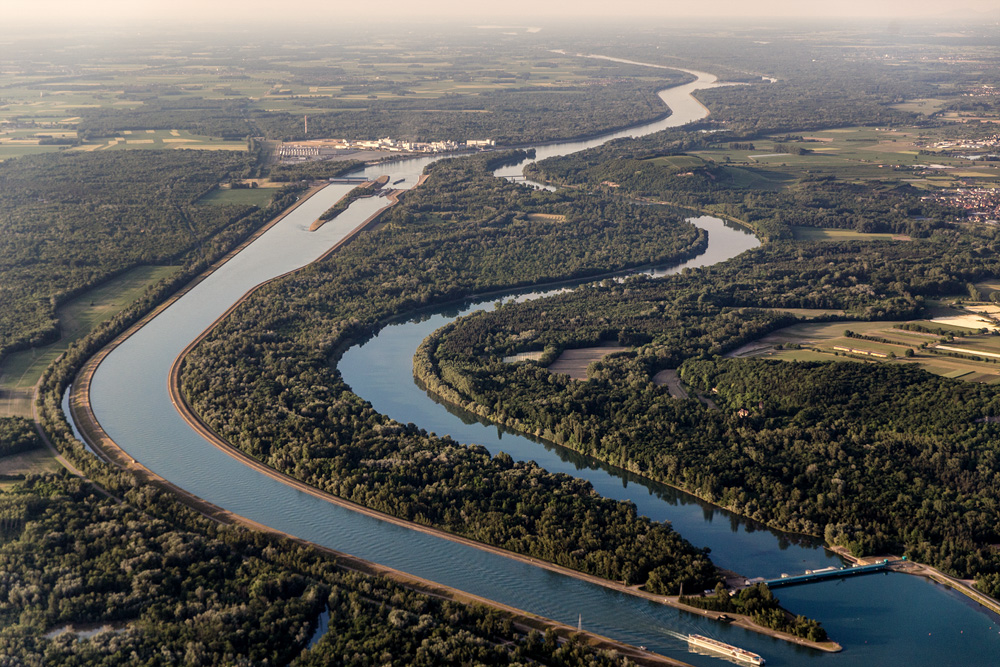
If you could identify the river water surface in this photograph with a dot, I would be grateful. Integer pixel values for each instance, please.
(880, 619)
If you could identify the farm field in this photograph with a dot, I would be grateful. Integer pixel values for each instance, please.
(18, 143)
(823, 234)
(678, 161)
(855, 154)
(978, 343)
(37, 461)
(252, 196)
(163, 140)
(926, 106)
(574, 362)
(819, 342)
(41, 98)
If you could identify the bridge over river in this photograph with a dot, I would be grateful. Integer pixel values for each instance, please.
(830, 573)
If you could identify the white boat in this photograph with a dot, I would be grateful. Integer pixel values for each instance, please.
(715, 647)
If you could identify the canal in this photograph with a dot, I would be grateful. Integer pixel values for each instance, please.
(880, 619)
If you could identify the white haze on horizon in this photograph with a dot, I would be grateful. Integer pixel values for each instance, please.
(312, 14)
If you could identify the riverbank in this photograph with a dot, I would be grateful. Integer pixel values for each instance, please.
(82, 406)
(108, 450)
(436, 386)
(103, 443)
(206, 432)
(193, 421)
(165, 442)
(964, 586)
(431, 381)
(747, 623)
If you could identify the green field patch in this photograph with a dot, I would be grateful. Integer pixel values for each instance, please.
(21, 370)
(944, 327)
(819, 331)
(861, 347)
(926, 105)
(8, 150)
(931, 368)
(979, 343)
(973, 174)
(988, 286)
(246, 196)
(804, 355)
(162, 140)
(826, 234)
(965, 370)
(914, 335)
(546, 217)
(758, 179)
(679, 162)
(32, 462)
(898, 337)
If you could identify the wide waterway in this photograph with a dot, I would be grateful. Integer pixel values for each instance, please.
(880, 619)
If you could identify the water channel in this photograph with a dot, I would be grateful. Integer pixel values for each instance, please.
(880, 619)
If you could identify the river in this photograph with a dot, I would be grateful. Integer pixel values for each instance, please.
(881, 619)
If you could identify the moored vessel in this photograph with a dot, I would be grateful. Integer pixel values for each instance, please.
(715, 647)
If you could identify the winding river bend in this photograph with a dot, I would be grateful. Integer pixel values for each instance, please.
(881, 619)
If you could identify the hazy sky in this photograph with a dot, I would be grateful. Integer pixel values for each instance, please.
(315, 12)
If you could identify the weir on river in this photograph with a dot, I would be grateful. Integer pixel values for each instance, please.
(881, 623)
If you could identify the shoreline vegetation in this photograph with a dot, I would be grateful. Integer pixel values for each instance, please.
(366, 189)
(426, 372)
(760, 197)
(393, 250)
(110, 452)
(55, 380)
(470, 369)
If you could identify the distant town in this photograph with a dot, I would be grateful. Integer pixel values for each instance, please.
(979, 203)
(992, 141)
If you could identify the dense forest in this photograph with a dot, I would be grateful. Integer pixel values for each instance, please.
(556, 113)
(175, 588)
(231, 593)
(70, 221)
(810, 201)
(342, 204)
(876, 458)
(17, 435)
(477, 233)
(806, 200)
(759, 603)
(227, 119)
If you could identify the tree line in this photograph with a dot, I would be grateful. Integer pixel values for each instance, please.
(176, 588)
(181, 588)
(877, 458)
(264, 381)
(72, 221)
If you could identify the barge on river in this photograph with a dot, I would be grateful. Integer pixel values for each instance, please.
(715, 647)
